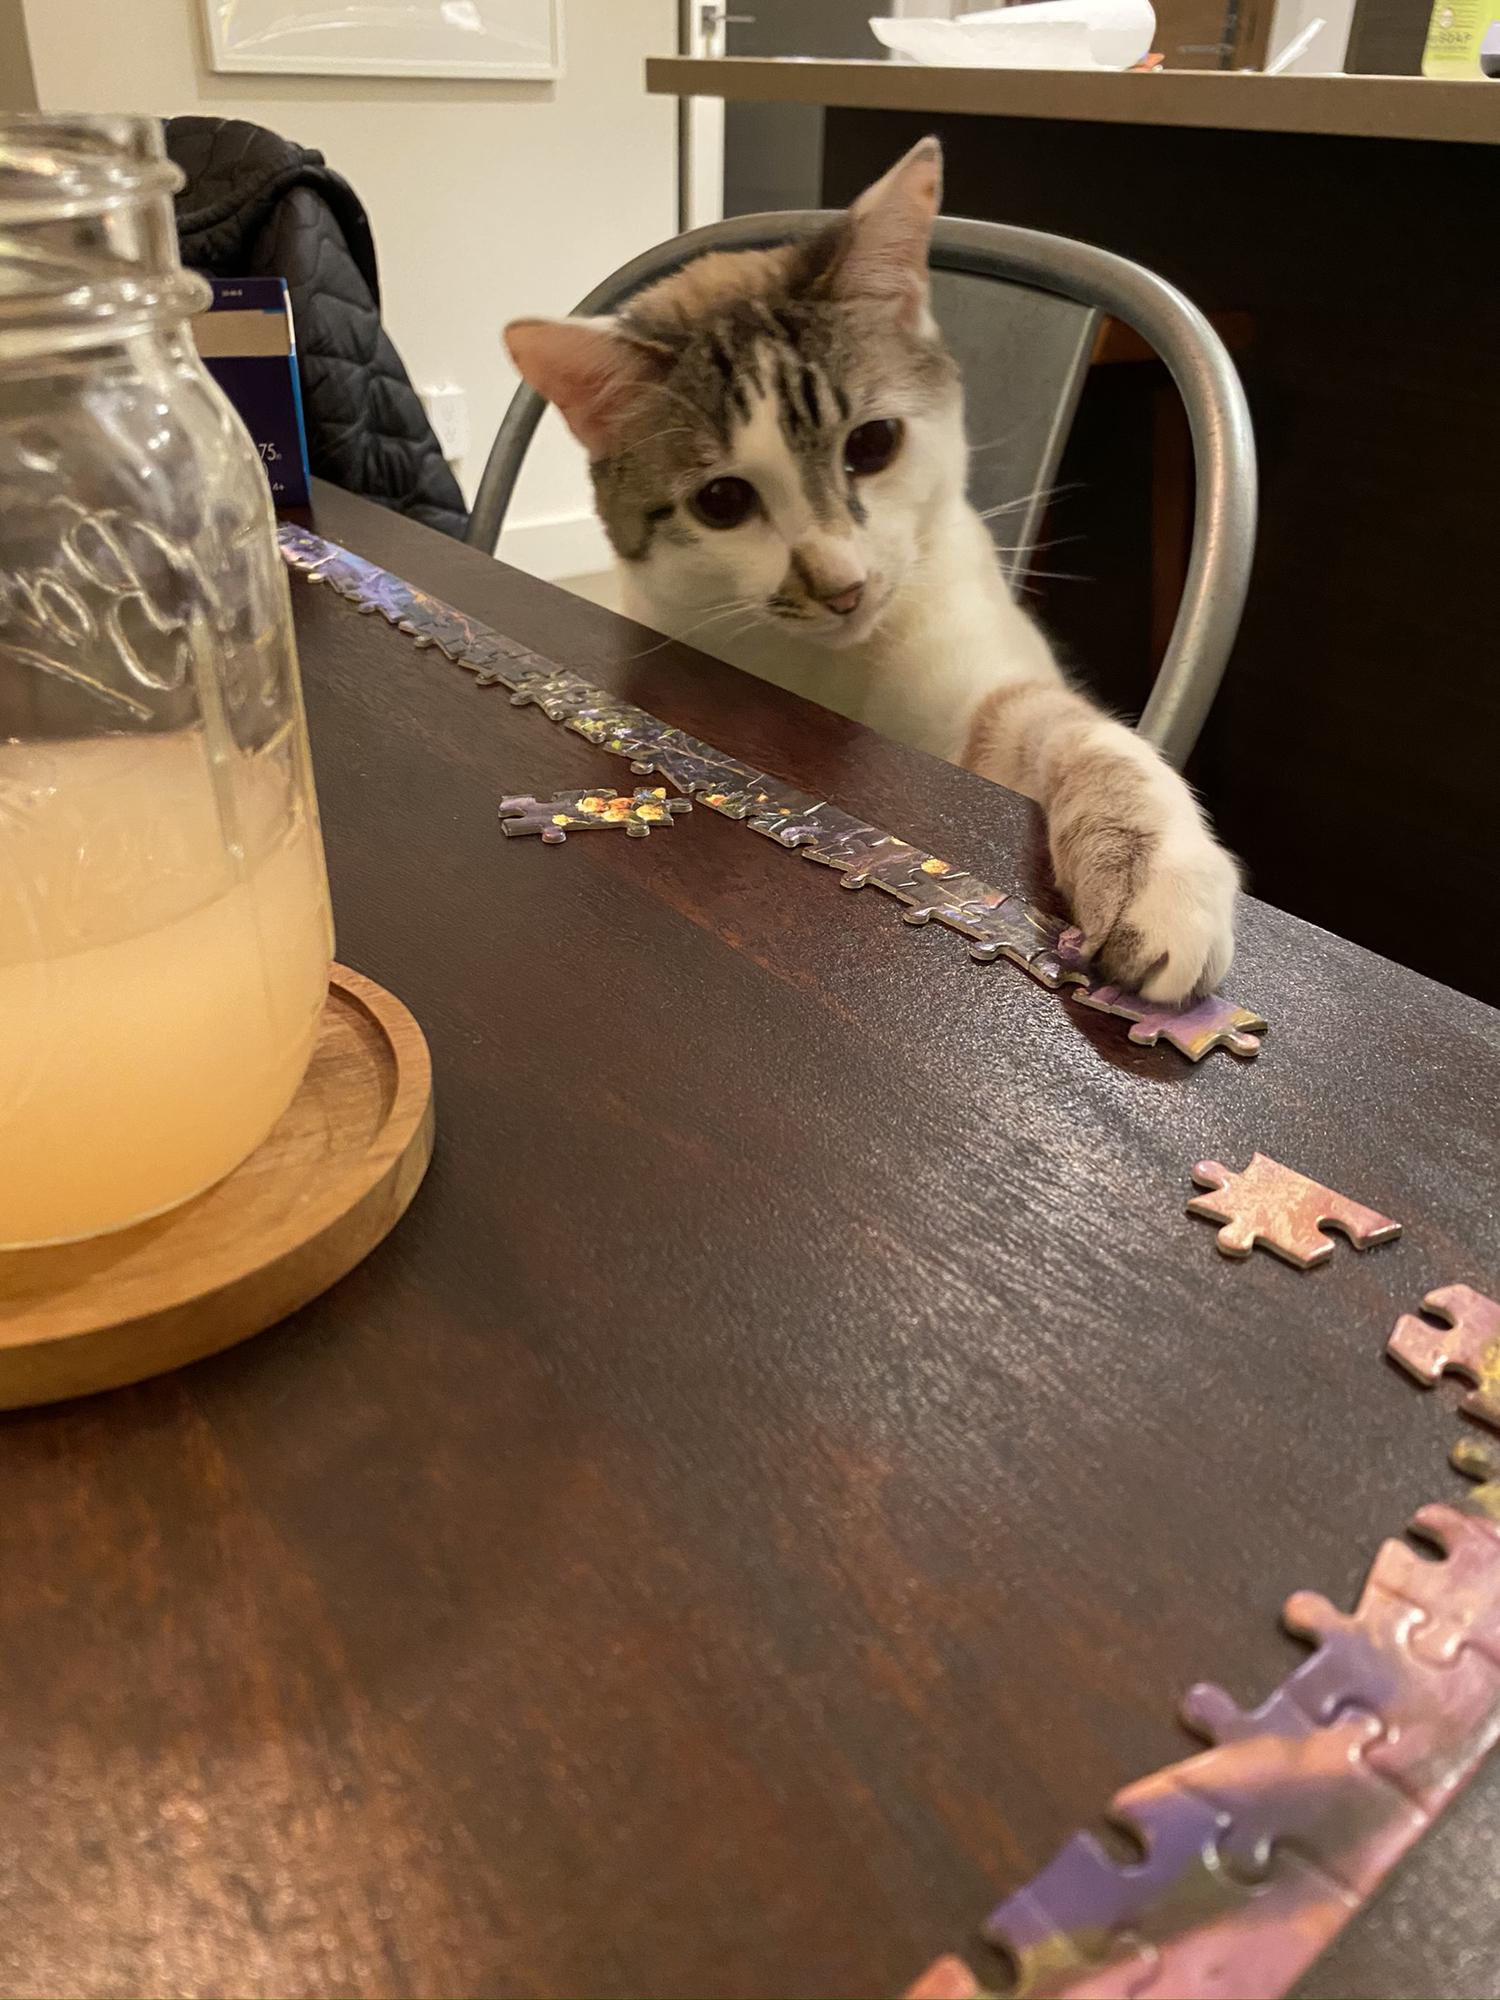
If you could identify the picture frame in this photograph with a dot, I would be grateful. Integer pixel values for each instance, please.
(516, 39)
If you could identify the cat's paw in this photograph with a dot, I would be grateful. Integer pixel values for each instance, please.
(1171, 936)
(1150, 888)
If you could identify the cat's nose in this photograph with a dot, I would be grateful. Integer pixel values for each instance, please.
(844, 601)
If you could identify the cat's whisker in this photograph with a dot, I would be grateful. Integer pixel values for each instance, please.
(1045, 494)
(1034, 548)
(725, 610)
(994, 444)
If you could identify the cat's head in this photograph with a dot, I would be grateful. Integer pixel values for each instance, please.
(770, 430)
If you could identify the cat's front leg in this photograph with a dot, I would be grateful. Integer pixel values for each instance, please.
(1149, 886)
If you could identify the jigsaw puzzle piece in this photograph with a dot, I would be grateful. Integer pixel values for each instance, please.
(1467, 1343)
(1258, 1949)
(1283, 1211)
(963, 902)
(1183, 1921)
(1069, 1921)
(558, 694)
(929, 886)
(844, 843)
(766, 804)
(1459, 1595)
(947, 1978)
(555, 818)
(692, 766)
(1438, 1719)
(1017, 931)
(1477, 1458)
(613, 725)
(1280, 1777)
(789, 817)
(1208, 1024)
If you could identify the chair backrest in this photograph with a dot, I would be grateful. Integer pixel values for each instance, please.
(1020, 310)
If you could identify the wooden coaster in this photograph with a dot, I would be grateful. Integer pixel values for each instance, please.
(333, 1178)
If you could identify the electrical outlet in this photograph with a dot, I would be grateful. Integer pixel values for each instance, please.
(447, 408)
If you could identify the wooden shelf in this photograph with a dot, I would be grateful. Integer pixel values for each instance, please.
(1360, 107)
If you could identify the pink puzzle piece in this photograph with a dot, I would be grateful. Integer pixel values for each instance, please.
(1460, 1596)
(1467, 1344)
(1282, 1210)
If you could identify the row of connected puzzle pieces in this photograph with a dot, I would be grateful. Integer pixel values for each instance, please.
(1257, 1852)
(997, 923)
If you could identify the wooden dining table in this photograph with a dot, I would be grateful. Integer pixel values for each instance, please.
(780, 1476)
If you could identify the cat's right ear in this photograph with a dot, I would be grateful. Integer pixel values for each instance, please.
(592, 369)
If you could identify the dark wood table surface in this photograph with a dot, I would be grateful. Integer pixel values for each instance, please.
(779, 1478)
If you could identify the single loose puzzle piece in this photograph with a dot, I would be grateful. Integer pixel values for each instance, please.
(997, 923)
(1467, 1344)
(1284, 1211)
(1258, 1851)
(1207, 1024)
(555, 818)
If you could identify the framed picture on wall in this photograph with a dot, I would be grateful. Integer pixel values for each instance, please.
(458, 38)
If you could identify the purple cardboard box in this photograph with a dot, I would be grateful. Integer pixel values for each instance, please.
(249, 346)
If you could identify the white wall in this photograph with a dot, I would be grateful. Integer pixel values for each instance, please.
(487, 199)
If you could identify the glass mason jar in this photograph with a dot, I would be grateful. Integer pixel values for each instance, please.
(164, 926)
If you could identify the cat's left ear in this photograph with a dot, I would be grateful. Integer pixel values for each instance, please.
(887, 234)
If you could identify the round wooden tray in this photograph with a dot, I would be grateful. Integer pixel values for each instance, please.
(333, 1178)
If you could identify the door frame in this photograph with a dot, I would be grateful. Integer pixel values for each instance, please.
(700, 120)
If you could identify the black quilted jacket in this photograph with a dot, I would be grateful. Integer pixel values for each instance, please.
(256, 205)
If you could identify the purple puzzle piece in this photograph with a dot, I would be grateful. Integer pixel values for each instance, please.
(1213, 1023)
(1069, 1921)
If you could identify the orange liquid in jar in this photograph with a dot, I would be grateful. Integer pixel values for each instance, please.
(164, 952)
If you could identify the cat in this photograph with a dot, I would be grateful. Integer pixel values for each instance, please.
(778, 456)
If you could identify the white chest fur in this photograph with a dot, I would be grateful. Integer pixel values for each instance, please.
(952, 635)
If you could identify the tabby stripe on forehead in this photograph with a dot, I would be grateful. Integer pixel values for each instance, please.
(810, 397)
(734, 388)
(791, 413)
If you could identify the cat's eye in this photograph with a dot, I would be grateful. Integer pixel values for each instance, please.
(871, 447)
(725, 503)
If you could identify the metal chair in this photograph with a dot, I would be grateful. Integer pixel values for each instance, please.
(1021, 310)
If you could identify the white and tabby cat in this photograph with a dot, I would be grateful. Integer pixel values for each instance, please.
(778, 454)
